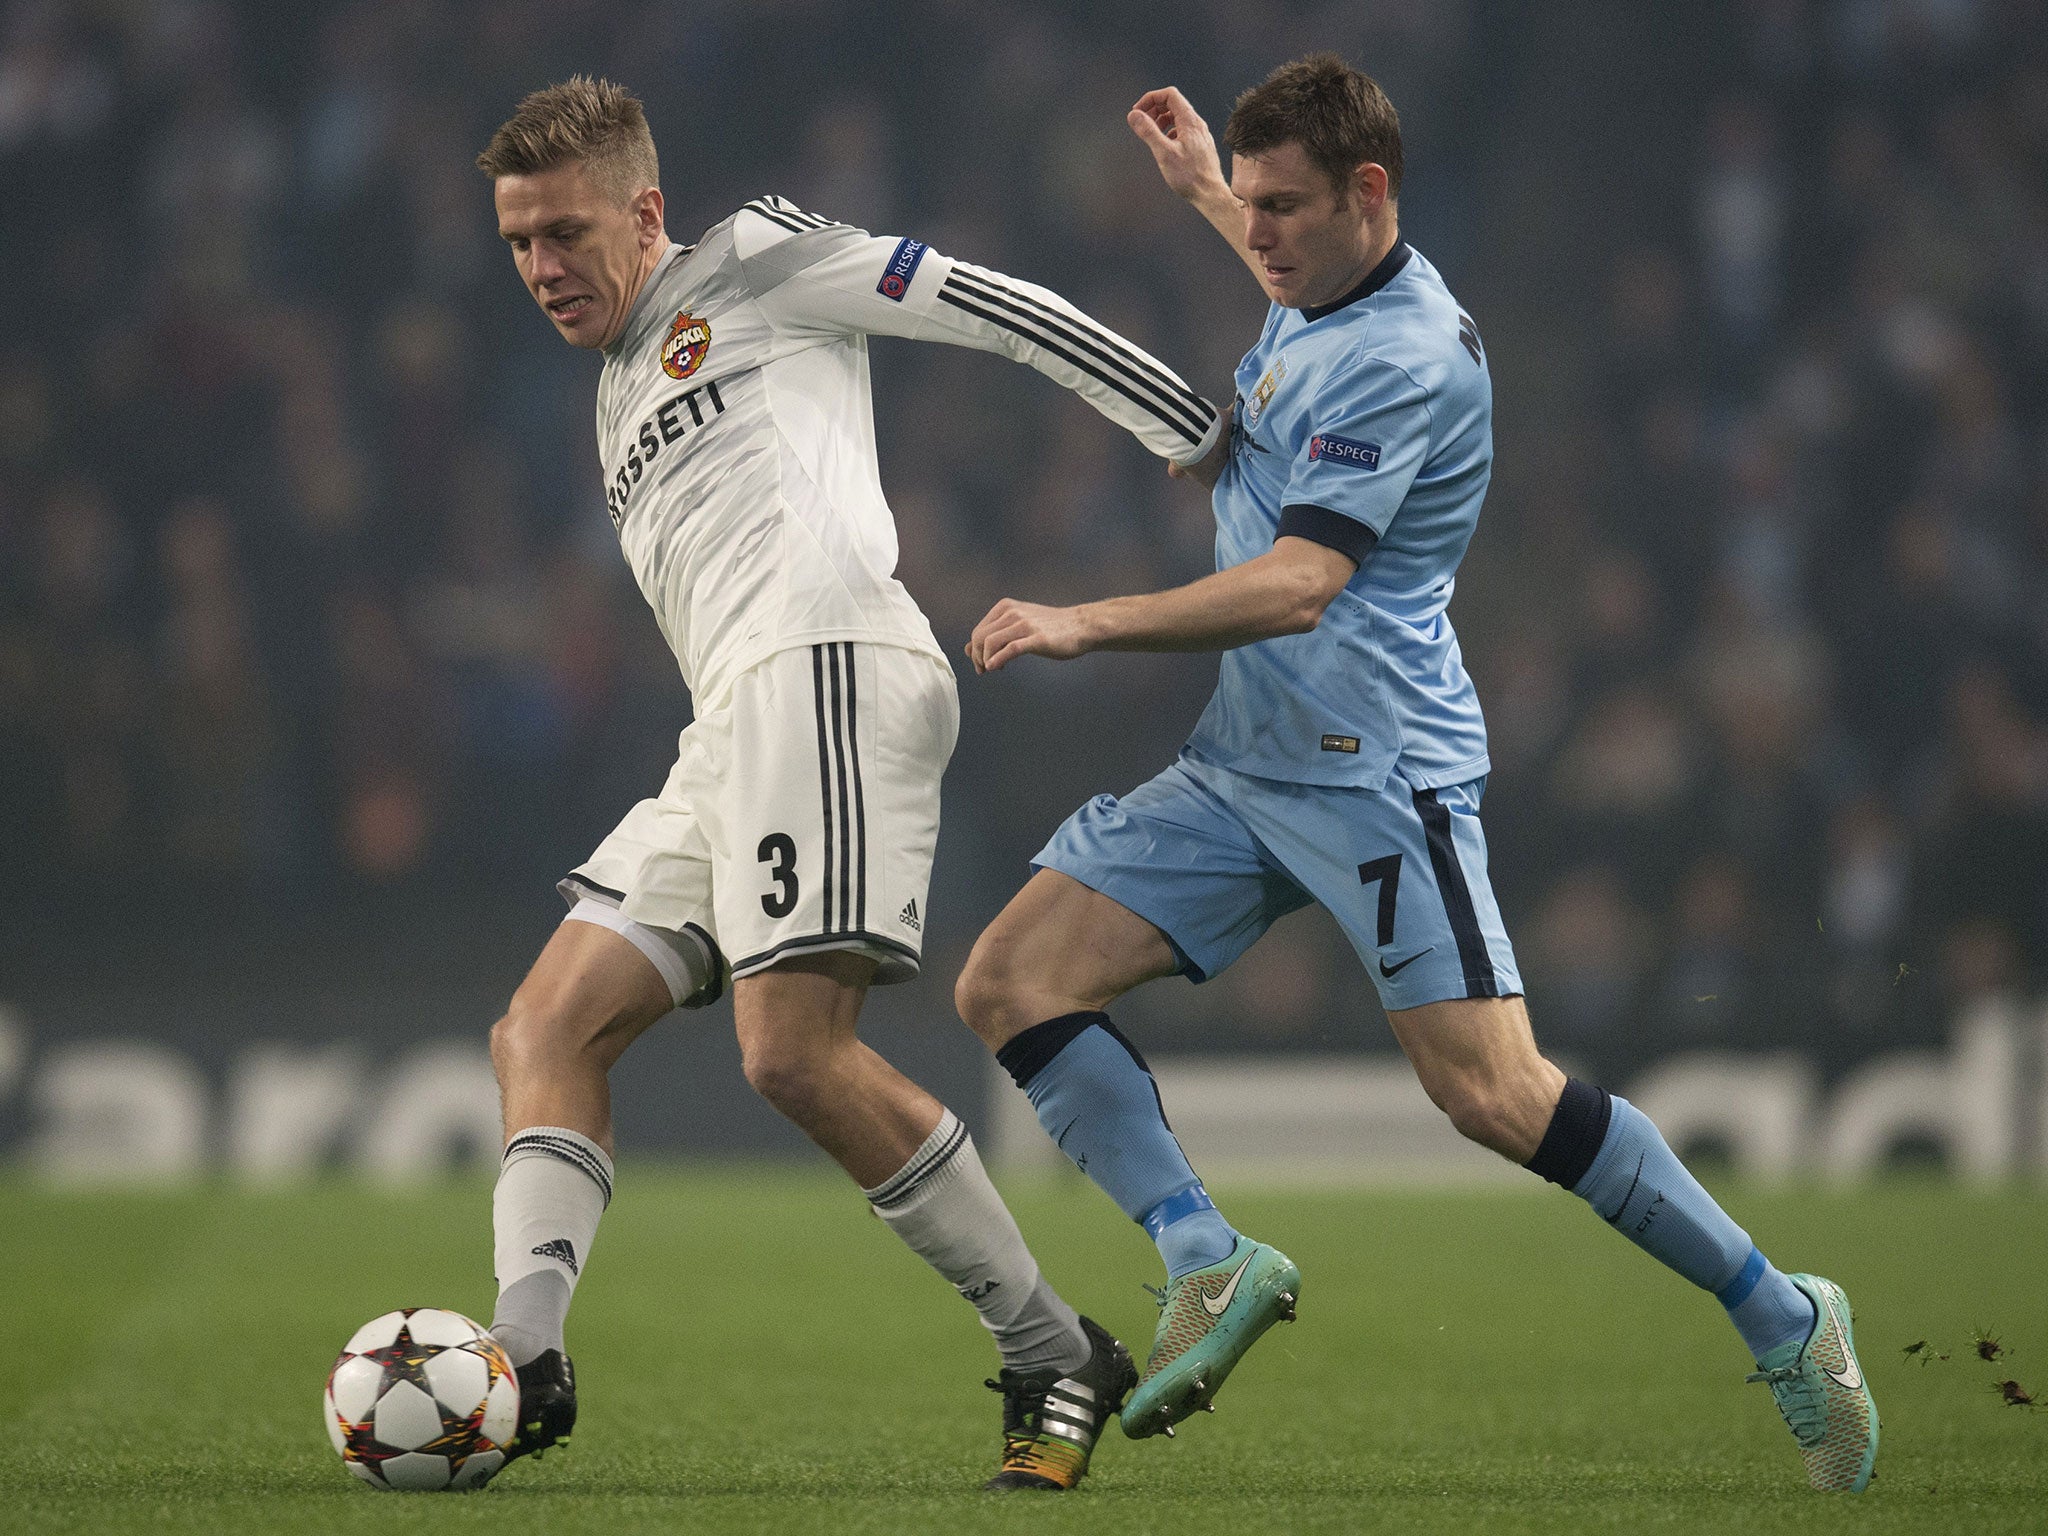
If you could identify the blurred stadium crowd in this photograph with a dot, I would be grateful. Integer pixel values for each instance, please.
(309, 605)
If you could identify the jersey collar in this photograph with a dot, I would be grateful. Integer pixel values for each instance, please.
(1389, 268)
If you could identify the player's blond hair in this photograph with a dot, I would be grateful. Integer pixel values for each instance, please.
(594, 121)
(1337, 114)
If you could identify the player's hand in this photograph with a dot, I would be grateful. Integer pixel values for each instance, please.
(1208, 469)
(1180, 142)
(1012, 629)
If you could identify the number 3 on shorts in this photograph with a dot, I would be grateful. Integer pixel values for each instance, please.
(778, 849)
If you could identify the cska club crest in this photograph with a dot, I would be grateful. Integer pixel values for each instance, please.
(689, 339)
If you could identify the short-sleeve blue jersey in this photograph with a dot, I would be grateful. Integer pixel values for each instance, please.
(1366, 425)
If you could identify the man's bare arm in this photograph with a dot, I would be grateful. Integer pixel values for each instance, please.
(1282, 592)
(1185, 152)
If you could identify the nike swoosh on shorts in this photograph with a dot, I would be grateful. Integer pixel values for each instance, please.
(1395, 970)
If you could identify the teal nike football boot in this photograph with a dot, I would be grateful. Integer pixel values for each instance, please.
(1820, 1391)
(1208, 1318)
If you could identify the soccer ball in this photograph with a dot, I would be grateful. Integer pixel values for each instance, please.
(422, 1398)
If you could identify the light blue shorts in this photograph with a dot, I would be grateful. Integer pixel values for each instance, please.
(1212, 858)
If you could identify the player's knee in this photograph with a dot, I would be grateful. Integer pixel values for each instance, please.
(980, 991)
(518, 1044)
(992, 994)
(785, 1076)
(1477, 1111)
(544, 1032)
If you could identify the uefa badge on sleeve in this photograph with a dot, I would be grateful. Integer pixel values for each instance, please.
(901, 269)
(1344, 451)
(689, 339)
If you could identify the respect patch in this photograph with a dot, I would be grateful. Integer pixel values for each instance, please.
(901, 269)
(1344, 450)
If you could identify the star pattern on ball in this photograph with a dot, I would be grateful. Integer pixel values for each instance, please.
(404, 1360)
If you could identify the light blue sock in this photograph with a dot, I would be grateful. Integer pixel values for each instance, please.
(1096, 1098)
(1641, 1189)
(1189, 1230)
(1766, 1308)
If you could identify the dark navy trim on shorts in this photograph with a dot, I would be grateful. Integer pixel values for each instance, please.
(585, 883)
(1450, 880)
(832, 672)
(860, 804)
(832, 940)
(824, 772)
(841, 786)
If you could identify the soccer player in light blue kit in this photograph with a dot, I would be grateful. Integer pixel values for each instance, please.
(1342, 761)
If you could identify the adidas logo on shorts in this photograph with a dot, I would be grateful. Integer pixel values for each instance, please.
(908, 916)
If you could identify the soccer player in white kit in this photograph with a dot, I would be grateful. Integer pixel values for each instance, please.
(790, 850)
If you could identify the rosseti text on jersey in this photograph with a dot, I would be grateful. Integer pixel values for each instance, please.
(664, 428)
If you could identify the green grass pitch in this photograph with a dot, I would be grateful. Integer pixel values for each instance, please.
(758, 1354)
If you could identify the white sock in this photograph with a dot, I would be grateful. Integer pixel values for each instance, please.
(942, 1204)
(552, 1188)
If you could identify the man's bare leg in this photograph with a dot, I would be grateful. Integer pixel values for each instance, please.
(799, 1049)
(1477, 1060)
(589, 995)
(1057, 948)
(911, 1157)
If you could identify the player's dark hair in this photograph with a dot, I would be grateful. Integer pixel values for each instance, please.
(594, 121)
(1340, 117)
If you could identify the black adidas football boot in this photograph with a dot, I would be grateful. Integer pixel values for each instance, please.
(1051, 1421)
(547, 1404)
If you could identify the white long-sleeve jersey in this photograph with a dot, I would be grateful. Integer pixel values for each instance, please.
(737, 437)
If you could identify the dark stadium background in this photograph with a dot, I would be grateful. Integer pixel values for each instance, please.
(318, 662)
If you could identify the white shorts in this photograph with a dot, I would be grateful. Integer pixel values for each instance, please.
(801, 815)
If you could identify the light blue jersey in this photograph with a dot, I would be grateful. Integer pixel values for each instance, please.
(1366, 425)
(1344, 766)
